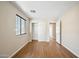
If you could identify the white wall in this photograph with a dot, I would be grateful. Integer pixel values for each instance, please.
(9, 42)
(70, 30)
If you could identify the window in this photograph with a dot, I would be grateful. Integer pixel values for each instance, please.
(20, 25)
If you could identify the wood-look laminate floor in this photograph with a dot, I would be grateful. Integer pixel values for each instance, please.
(50, 49)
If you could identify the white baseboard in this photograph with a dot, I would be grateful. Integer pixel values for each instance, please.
(42, 40)
(3, 56)
(19, 49)
(71, 51)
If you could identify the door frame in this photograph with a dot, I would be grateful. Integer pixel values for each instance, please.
(60, 32)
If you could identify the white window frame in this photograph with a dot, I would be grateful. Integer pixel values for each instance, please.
(21, 28)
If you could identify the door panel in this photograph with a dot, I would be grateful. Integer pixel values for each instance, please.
(58, 40)
(52, 30)
(35, 31)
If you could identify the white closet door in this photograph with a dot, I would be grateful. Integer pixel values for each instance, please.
(51, 30)
(58, 32)
(35, 31)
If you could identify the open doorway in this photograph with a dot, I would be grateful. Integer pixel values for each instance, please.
(52, 30)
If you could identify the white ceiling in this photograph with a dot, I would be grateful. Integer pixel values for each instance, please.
(45, 9)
